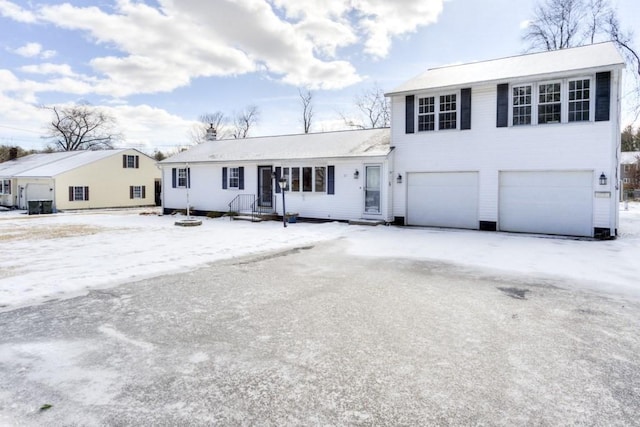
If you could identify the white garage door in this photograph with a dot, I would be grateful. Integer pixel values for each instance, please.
(38, 192)
(550, 202)
(443, 199)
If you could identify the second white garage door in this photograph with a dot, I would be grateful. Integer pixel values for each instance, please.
(443, 199)
(547, 202)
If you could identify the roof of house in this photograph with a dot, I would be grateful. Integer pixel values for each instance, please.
(340, 144)
(52, 164)
(600, 55)
(629, 157)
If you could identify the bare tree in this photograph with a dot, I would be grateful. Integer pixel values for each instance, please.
(82, 127)
(373, 110)
(217, 121)
(244, 121)
(561, 24)
(556, 24)
(307, 108)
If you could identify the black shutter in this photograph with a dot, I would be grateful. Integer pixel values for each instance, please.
(241, 178)
(409, 114)
(124, 160)
(131, 191)
(224, 178)
(502, 111)
(86, 193)
(173, 178)
(188, 177)
(137, 162)
(71, 194)
(278, 172)
(144, 192)
(465, 109)
(331, 180)
(603, 96)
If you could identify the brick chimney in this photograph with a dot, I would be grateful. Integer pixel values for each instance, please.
(211, 134)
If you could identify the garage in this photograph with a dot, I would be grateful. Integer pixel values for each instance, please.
(546, 202)
(443, 199)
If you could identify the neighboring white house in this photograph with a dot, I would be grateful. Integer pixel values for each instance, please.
(330, 176)
(81, 179)
(524, 144)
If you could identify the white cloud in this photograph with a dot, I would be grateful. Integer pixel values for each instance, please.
(296, 42)
(15, 12)
(48, 68)
(29, 50)
(525, 24)
(32, 50)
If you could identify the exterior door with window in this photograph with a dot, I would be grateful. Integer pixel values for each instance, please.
(372, 190)
(265, 186)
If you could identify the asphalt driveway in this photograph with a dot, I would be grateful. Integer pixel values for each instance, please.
(313, 337)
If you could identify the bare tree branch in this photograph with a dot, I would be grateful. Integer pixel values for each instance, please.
(373, 108)
(307, 108)
(82, 127)
(244, 121)
(217, 120)
(560, 24)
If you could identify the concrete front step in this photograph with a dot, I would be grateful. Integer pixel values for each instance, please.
(247, 218)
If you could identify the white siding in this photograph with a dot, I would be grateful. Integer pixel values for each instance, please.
(590, 146)
(206, 193)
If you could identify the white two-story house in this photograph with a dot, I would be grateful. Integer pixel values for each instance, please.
(522, 144)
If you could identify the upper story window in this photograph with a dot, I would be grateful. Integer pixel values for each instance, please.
(426, 114)
(579, 100)
(447, 119)
(561, 101)
(627, 168)
(437, 112)
(129, 161)
(521, 105)
(549, 103)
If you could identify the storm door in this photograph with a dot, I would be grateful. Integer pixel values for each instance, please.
(265, 186)
(372, 190)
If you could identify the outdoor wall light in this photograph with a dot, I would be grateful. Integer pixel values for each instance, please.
(399, 179)
(603, 179)
(356, 174)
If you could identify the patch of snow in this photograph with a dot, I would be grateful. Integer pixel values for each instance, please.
(105, 248)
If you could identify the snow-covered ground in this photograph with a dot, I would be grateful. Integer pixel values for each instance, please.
(63, 255)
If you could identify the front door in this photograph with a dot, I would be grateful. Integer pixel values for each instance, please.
(372, 190)
(265, 186)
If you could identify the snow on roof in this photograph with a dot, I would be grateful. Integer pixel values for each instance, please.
(593, 56)
(351, 143)
(52, 164)
(629, 157)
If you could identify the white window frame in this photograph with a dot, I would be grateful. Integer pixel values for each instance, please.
(564, 100)
(131, 161)
(137, 191)
(560, 102)
(234, 178)
(437, 110)
(531, 96)
(316, 186)
(181, 175)
(5, 186)
(423, 111)
(79, 193)
(591, 98)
